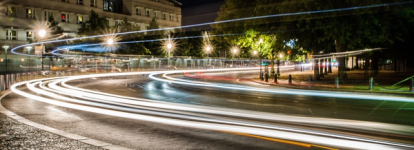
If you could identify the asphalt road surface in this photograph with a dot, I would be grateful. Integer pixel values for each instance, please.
(147, 135)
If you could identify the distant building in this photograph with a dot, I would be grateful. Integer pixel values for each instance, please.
(19, 19)
(201, 14)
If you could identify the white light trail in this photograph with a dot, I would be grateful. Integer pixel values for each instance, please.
(201, 117)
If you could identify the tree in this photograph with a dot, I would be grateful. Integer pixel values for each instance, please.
(95, 25)
(54, 27)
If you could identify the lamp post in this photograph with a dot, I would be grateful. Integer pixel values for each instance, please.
(254, 54)
(234, 54)
(6, 47)
(28, 49)
(42, 34)
(169, 46)
(110, 42)
(260, 49)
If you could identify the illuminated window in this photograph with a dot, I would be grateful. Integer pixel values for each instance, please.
(11, 35)
(80, 19)
(80, 2)
(105, 4)
(29, 35)
(11, 11)
(111, 6)
(30, 13)
(65, 17)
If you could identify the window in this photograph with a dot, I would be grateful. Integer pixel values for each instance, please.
(164, 16)
(177, 19)
(30, 13)
(65, 17)
(147, 13)
(11, 35)
(118, 22)
(29, 35)
(111, 6)
(138, 11)
(49, 14)
(11, 11)
(105, 4)
(80, 2)
(94, 3)
(80, 19)
(171, 17)
(65, 1)
(155, 14)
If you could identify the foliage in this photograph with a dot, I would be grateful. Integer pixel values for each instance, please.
(94, 25)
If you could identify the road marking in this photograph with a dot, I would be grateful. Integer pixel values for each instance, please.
(282, 141)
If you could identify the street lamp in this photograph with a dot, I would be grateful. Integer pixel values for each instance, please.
(260, 49)
(28, 49)
(169, 46)
(6, 47)
(42, 34)
(110, 41)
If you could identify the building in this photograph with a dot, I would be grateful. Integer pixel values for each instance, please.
(20, 19)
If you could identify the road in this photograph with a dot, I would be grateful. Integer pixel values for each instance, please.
(139, 134)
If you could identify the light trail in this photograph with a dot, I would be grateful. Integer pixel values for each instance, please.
(219, 22)
(201, 117)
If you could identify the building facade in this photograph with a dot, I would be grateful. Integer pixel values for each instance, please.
(20, 19)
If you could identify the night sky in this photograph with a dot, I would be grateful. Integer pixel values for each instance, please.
(190, 3)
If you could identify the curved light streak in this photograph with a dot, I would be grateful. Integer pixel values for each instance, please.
(188, 115)
(219, 22)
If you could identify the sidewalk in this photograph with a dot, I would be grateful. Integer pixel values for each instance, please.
(332, 87)
(16, 135)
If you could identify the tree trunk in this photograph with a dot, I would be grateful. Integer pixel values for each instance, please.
(356, 62)
(316, 70)
(326, 66)
(366, 67)
(272, 64)
(341, 61)
(375, 63)
(321, 68)
(330, 65)
(278, 67)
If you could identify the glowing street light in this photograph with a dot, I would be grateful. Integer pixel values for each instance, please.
(169, 46)
(280, 55)
(110, 41)
(42, 33)
(260, 41)
(255, 53)
(6, 47)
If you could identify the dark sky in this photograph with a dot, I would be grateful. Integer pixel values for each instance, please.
(190, 3)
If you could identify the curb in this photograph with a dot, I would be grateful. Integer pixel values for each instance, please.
(325, 89)
(82, 139)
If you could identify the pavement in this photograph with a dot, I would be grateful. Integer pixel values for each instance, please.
(17, 135)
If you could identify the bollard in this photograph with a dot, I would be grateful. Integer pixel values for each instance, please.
(266, 77)
(12, 79)
(18, 78)
(7, 82)
(261, 75)
(371, 83)
(290, 79)
(412, 85)
(275, 78)
(2, 84)
(310, 80)
(337, 82)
